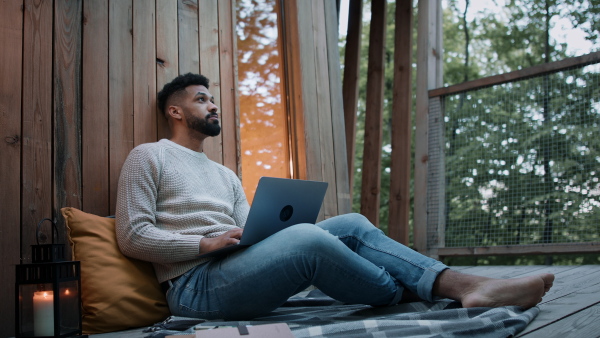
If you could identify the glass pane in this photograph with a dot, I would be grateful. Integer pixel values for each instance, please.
(263, 115)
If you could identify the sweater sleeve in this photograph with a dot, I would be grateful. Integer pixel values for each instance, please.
(136, 230)
(241, 207)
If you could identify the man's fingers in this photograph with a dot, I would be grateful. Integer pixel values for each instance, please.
(235, 233)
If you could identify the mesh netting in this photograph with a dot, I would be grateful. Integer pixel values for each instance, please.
(517, 163)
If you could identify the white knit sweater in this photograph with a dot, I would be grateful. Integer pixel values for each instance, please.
(169, 197)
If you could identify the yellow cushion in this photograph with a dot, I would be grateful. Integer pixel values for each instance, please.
(117, 292)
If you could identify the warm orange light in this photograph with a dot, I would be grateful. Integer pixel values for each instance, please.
(67, 292)
(265, 139)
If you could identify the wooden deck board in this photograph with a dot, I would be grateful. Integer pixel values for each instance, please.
(574, 290)
(580, 324)
(570, 309)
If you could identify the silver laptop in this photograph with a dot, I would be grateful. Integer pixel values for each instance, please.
(278, 204)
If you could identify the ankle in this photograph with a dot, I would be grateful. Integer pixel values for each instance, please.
(455, 285)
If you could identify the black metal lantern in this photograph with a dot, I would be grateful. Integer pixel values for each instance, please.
(48, 297)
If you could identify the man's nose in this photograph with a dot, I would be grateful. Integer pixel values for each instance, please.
(213, 108)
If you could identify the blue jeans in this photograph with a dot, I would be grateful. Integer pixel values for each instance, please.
(346, 257)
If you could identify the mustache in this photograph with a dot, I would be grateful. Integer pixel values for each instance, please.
(212, 115)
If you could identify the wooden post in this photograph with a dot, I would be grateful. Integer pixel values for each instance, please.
(189, 51)
(167, 56)
(11, 35)
(120, 90)
(344, 200)
(230, 114)
(37, 121)
(350, 82)
(429, 71)
(208, 35)
(144, 72)
(323, 96)
(68, 17)
(371, 173)
(95, 163)
(399, 206)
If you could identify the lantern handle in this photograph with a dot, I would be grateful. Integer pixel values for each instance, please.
(39, 225)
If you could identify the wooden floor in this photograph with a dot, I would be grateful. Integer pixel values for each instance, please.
(570, 309)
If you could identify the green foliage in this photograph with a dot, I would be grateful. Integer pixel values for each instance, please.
(522, 159)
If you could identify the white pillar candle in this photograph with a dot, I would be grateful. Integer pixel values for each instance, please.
(43, 313)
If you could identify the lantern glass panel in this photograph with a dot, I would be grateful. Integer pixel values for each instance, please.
(69, 306)
(35, 315)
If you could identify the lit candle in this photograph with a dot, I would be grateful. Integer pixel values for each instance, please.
(43, 313)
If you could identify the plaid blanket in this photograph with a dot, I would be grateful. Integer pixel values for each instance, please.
(316, 315)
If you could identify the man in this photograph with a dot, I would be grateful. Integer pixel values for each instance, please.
(174, 203)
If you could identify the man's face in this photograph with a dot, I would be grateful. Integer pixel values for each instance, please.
(200, 111)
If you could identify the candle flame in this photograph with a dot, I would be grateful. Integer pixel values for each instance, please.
(67, 292)
(45, 295)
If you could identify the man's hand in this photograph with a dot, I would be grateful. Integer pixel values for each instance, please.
(231, 237)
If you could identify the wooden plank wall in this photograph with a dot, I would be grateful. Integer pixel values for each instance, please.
(77, 92)
(316, 99)
(78, 88)
(11, 80)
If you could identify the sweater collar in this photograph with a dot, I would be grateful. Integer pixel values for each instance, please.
(172, 144)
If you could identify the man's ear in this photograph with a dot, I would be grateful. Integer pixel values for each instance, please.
(174, 112)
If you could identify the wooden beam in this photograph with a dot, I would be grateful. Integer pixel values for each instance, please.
(167, 56)
(144, 72)
(344, 201)
(208, 42)
(293, 64)
(189, 51)
(120, 92)
(534, 249)
(310, 113)
(323, 99)
(429, 72)
(371, 170)
(94, 119)
(517, 74)
(37, 122)
(399, 205)
(230, 112)
(68, 18)
(351, 81)
(11, 37)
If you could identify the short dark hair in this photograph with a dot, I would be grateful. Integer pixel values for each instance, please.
(179, 84)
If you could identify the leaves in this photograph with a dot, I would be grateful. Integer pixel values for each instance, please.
(522, 159)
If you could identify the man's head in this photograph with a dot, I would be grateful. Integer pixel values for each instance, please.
(187, 98)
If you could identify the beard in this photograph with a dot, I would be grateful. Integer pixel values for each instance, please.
(204, 125)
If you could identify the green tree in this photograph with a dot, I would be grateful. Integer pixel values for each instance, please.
(521, 158)
(517, 154)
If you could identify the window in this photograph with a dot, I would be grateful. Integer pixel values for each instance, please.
(265, 141)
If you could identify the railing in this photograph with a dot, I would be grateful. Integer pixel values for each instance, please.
(514, 162)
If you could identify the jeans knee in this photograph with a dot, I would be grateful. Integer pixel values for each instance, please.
(308, 237)
(348, 223)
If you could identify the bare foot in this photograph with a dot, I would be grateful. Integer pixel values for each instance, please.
(526, 291)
